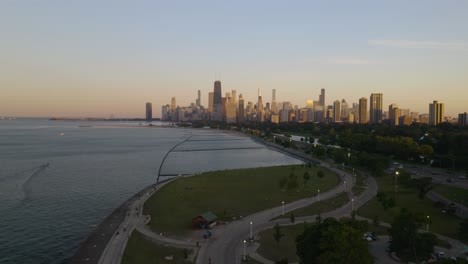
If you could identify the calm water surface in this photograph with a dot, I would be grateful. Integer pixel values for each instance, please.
(46, 211)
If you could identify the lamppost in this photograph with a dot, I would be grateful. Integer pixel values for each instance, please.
(318, 195)
(427, 224)
(244, 250)
(282, 206)
(343, 165)
(396, 181)
(251, 236)
(352, 205)
(345, 186)
(349, 154)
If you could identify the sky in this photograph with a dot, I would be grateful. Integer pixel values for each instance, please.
(87, 58)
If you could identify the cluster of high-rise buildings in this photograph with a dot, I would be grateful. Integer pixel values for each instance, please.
(232, 108)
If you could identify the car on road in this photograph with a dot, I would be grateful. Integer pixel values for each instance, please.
(462, 177)
(369, 236)
(440, 254)
(450, 180)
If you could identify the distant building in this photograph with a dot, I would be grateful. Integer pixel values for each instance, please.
(149, 112)
(310, 104)
(405, 120)
(173, 104)
(210, 102)
(344, 110)
(436, 113)
(241, 110)
(424, 119)
(336, 111)
(363, 110)
(198, 102)
(217, 102)
(376, 108)
(462, 119)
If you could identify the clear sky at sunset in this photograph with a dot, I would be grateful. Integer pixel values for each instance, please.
(97, 58)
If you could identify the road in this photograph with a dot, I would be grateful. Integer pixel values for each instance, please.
(226, 247)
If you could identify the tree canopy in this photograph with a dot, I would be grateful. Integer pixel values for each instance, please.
(331, 241)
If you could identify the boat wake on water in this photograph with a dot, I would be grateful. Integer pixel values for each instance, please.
(27, 187)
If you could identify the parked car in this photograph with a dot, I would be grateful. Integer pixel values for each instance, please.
(462, 177)
(450, 180)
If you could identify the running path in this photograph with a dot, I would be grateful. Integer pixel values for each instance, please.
(116, 246)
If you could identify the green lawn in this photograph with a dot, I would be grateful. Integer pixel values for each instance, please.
(140, 250)
(458, 195)
(320, 207)
(286, 248)
(228, 194)
(408, 197)
(359, 187)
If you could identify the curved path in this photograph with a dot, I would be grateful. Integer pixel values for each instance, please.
(226, 246)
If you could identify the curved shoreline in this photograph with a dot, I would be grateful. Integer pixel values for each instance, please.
(91, 249)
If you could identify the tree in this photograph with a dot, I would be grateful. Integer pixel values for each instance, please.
(306, 177)
(408, 244)
(277, 234)
(463, 230)
(282, 261)
(332, 242)
(320, 174)
(292, 218)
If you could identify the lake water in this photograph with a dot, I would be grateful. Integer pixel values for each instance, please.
(46, 211)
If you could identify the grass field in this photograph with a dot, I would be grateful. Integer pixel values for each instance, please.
(228, 194)
(458, 195)
(320, 207)
(286, 248)
(408, 198)
(140, 250)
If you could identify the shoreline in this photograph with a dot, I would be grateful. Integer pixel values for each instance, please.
(91, 249)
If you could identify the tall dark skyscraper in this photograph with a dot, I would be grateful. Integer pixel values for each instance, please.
(149, 112)
(322, 97)
(217, 102)
(217, 93)
(322, 101)
(198, 101)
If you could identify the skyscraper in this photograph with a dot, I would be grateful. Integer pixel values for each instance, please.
(310, 104)
(173, 104)
(210, 102)
(436, 113)
(363, 110)
(274, 106)
(344, 109)
(217, 102)
(260, 106)
(336, 111)
(241, 110)
(322, 97)
(376, 107)
(149, 112)
(462, 119)
(198, 102)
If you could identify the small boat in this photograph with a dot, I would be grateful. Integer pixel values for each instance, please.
(61, 134)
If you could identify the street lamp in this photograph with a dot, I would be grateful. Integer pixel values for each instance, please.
(244, 250)
(396, 181)
(352, 205)
(318, 195)
(349, 154)
(282, 206)
(251, 236)
(345, 186)
(427, 224)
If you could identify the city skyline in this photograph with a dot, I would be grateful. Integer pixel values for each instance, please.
(88, 59)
